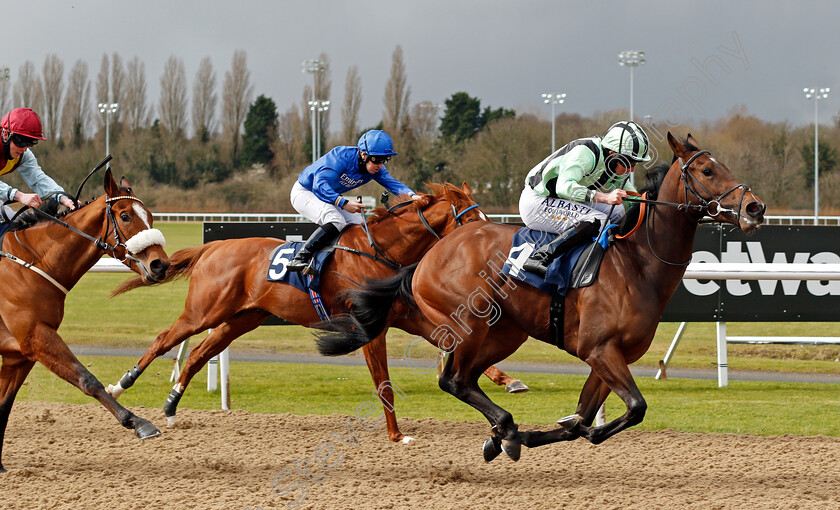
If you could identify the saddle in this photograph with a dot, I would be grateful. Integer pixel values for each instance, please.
(577, 268)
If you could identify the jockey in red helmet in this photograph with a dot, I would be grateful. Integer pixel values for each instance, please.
(20, 129)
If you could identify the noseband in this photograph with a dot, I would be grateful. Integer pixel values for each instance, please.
(711, 207)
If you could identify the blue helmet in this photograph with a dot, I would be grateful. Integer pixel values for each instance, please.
(376, 143)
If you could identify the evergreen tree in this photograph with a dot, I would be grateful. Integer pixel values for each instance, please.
(260, 130)
(461, 118)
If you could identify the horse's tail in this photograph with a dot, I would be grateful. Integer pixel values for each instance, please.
(181, 264)
(369, 307)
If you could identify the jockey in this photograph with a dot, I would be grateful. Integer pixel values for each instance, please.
(20, 129)
(572, 191)
(317, 193)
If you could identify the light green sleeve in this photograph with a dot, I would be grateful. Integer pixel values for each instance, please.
(577, 163)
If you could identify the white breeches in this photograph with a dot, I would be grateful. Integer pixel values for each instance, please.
(556, 215)
(317, 211)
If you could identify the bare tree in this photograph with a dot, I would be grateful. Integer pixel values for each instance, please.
(291, 137)
(53, 84)
(5, 89)
(204, 100)
(424, 120)
(77, 105)
(28, 91)
(103, 86)
(117, 84)
(173, 96)
(397, 94)
(352, 104)
(236, 96)
(137, 113)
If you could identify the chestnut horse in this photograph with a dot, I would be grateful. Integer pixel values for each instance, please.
(608, 325)
(229, 293)
(51, 257)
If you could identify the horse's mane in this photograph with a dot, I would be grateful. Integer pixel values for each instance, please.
(653, 181)
(437, 189)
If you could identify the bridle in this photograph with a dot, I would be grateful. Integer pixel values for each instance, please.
(711, 208)
(120, 240)
(379, 255)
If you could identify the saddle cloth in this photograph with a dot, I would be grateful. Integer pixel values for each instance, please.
(568, 271)
(280, 258)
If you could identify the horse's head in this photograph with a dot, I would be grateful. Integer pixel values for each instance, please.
(709, 183)
(450, 207)
(137, 244)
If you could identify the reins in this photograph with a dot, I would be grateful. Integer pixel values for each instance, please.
(379, 255)
(705, 207)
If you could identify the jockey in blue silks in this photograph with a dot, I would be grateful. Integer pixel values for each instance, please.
(317, 193)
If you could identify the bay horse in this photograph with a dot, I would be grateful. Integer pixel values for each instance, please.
(229, 294)
(481, 316)
(51, 257)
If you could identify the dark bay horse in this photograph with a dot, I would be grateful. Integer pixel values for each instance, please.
(481, 317)
(228, 291)
(32, 305)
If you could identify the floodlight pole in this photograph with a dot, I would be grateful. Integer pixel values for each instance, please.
(631, 59)
(553, 99)
(107, 109)
(816, 95)
(313, 66)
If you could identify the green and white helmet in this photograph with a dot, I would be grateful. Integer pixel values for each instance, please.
(628, 139)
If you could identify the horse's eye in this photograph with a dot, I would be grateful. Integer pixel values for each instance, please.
(707, 172)
(125, 217)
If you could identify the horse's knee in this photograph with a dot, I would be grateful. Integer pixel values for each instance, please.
(636, 412)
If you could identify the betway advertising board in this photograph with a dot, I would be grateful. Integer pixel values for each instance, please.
(760, 300)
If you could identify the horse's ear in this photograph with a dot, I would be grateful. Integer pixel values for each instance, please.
(111, 187)
(690, 139)
(676, 146)
(125, 184)
(466, 189)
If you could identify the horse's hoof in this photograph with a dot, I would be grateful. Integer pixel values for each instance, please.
(170, 420)
(517, 387)
(491, 449)
(2, 469)
(114, 391)
(406, 439)
(570, 422)
(512, 449)
(144, 429)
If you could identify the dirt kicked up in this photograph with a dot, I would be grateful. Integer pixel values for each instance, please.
(70, 456)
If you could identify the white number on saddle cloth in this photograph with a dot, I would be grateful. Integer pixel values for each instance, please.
(518, 255)
(281, 261)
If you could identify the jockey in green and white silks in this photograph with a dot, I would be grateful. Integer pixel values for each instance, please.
(572, 191)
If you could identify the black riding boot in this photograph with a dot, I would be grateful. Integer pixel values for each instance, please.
(539, 261)
(322, 236)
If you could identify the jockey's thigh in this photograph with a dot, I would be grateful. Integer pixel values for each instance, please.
(317, 211)
(556, 215)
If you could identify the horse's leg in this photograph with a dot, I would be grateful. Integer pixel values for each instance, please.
(43, 344)
(376, 356)
(460, 378)
(610, 366)
(500, 378)
(191, 322)
(593, 394)
(12, 374)
(214, 343)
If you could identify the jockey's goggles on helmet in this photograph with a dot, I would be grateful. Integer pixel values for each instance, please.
(379, 160)
(23, 141)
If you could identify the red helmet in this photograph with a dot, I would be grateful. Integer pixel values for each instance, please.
(22, 121)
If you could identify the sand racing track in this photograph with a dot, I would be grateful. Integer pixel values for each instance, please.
(70, 456)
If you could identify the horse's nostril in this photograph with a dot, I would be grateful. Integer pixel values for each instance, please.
(157, 266)
(756, 209)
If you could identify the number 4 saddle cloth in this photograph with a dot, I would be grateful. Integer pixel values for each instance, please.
(573, 269)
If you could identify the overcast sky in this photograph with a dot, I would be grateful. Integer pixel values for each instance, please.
(703, 57)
